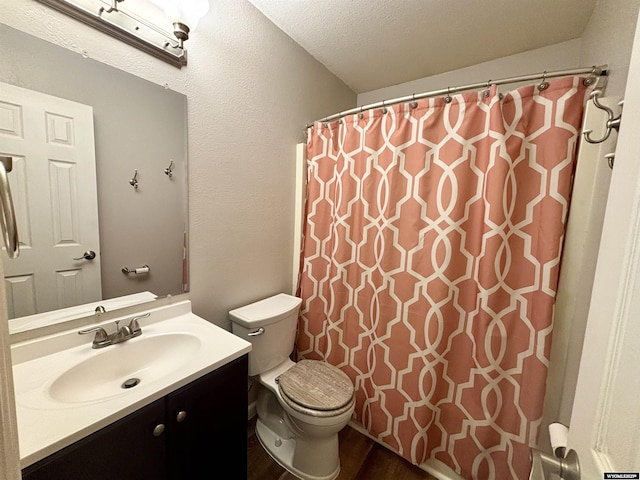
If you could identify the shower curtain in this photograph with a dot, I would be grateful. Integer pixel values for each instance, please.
(431, 250)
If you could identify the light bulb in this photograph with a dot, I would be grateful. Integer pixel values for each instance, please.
(187, 12)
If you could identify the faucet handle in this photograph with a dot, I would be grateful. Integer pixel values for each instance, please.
(122, 331)
(134, 326)
(101, 338)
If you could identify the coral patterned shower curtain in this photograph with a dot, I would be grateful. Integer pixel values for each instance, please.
(432, 244)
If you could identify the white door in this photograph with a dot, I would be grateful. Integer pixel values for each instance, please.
(53, 183)
(605, 422)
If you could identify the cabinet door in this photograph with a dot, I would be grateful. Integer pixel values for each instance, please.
(125, 450)
(210, 436)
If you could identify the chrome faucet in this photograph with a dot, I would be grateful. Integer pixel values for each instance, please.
(121, 334)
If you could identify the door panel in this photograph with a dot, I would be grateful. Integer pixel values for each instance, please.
(54, 186)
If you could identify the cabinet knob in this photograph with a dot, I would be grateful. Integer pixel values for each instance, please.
(158, 430)
(181, 416)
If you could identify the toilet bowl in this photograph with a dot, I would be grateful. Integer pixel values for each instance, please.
(301, 406)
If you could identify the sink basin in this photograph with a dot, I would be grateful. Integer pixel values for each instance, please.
(66, 390)
(144, 359)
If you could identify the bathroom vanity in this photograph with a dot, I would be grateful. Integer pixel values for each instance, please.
(198, 428)
(187, 415)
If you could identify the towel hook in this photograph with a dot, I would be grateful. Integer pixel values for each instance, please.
(610, 157)
(613, 122)
(134, 181)
(168, 171)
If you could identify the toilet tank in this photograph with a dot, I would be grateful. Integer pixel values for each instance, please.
(270, 326)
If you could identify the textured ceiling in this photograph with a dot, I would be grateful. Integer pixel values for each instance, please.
(371, 44)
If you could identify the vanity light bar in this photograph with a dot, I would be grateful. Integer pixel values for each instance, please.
(126, 27)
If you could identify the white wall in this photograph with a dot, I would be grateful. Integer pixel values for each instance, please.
(608, 38)
(250, 92)
(555, 57)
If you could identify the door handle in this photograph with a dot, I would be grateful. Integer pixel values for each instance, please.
(88, 255)
(544, 465)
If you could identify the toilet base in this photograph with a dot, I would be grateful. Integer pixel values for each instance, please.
(283, 450)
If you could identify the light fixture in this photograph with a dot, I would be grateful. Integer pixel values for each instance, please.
(141, 23)
(185, 15)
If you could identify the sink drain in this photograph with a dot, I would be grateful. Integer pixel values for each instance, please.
(130, 383)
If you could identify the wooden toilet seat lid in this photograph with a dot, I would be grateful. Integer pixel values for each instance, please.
(316, 385)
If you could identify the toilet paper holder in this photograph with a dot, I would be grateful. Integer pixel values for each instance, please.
(544, 465)
(137, 271)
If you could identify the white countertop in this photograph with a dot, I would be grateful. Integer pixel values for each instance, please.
(46, 425)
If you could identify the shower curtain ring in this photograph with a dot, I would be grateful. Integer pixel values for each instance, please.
(448, 98)
(487, 90)
(591, 78)
(384, 108)
(361, 115)
(543, 85)
(413, 103)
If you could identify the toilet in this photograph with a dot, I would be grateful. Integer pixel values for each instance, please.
(301, 406)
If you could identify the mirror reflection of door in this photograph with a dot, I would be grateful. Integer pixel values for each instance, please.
(53, 183)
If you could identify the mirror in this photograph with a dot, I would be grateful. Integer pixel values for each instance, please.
(140, 141)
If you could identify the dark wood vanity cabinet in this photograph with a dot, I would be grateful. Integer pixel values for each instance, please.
(205, 433)
(212, 437)
(126, 449)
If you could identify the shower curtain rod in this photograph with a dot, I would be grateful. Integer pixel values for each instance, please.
(593, 71)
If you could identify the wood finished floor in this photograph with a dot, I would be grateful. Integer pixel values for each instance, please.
(360, 459)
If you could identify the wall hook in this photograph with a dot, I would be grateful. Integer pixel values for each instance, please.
(168, 171)
(613, 122)
(134, 181)
(610, 157)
